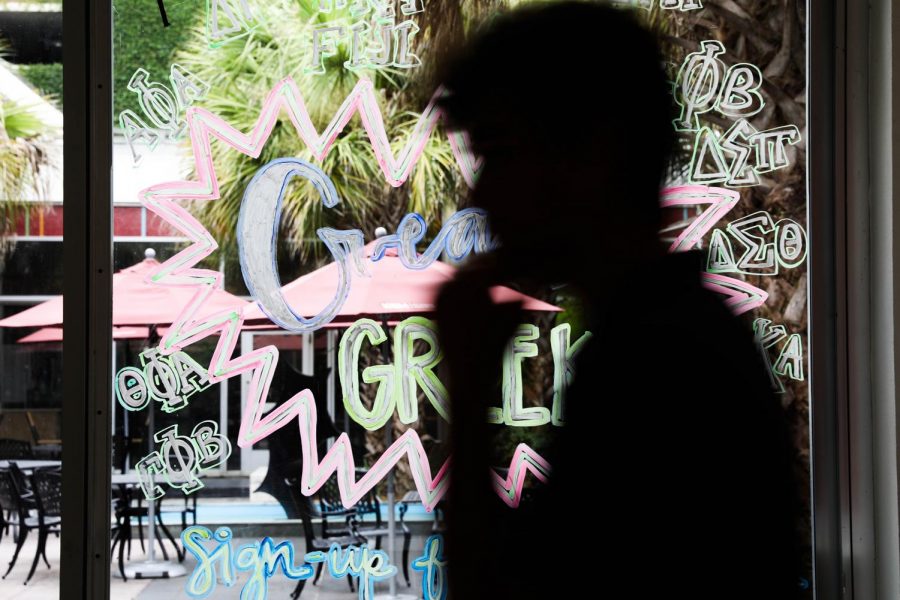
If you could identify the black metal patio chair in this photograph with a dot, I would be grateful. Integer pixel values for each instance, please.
(9, 515)
(377, 528)
(11, 510)
(336, 520)
(47, 486)
(20, 502)
(357, 518)
(314, 543)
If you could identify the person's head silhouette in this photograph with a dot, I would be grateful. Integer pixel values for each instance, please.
(570, 107)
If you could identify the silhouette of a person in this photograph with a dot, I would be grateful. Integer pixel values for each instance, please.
(672, 474)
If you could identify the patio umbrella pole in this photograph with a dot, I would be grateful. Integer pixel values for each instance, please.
(392, 534)
(152, 568)
(392, 524)
(151, 504)
(112, 396)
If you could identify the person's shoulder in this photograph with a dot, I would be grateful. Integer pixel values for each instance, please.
(665, 310)
(672, 288)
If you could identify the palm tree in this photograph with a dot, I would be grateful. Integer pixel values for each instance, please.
(242, 74)
(22, 155)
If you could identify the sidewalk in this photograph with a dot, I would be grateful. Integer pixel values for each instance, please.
(45, 583)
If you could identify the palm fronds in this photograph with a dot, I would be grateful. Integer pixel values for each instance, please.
(241, 75)
(22, 156)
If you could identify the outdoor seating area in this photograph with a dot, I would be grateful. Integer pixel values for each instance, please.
(145, 533)
(30, 502)
(31, 522)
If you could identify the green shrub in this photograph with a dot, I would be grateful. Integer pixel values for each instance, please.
(47, 79)
(140, 40)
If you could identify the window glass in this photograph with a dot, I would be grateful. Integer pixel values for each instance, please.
(259, 148)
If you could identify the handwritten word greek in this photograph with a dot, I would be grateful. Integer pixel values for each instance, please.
(170, 380)
(433, 568)
(520, 347)
(263, 559)
(564, 353)
(728, 159)
(790, 359)
(768, 246)
(180, 459)
(164, 108)
(703, 84)
(380, 42)
(398, 383)
(228, 20)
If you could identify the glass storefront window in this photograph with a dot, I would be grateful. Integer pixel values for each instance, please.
(286, 202)
(228, 99)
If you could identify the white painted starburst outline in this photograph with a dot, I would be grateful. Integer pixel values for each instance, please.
(162, 199)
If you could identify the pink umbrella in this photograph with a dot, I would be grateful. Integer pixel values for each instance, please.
(55, 334)
(392, 289)
(135, 301)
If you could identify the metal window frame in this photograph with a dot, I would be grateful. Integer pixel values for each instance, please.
(853, 314)
(826, 277)
(87, 288)
(883, 104)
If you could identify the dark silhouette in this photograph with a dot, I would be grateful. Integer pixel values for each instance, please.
(672, 476)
